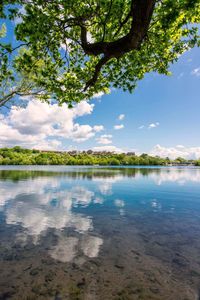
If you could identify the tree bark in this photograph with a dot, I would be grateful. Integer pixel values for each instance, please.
(141, 13)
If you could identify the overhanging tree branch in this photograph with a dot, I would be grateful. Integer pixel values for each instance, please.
(141, 12)
(98, 67)
(129, 39)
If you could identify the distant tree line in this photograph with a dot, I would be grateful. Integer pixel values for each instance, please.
(20, 156)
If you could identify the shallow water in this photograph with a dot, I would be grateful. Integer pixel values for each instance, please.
(99, 233)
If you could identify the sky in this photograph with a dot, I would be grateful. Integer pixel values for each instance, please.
(161, 117)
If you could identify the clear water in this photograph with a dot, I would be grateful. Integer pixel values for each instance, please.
(99, 233)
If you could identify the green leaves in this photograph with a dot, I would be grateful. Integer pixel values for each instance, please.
(20, 156)
(3, 30)
(54, 61)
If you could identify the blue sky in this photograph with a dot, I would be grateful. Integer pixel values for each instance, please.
(160, 117)
(172, 101)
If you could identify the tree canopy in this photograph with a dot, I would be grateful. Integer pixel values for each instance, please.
(20, 156)
(71, 50)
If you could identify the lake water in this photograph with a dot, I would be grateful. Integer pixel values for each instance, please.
(99, 233)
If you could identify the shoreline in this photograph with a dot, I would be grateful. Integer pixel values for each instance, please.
(2, 167)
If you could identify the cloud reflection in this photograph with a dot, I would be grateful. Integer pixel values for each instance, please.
(120, 205)
(105, 184)
(180, 176)
(65, 250)
(50, 203)
(46, 203)
(69, 248)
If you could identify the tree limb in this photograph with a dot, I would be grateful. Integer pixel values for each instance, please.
(98, 67)
(141, 12)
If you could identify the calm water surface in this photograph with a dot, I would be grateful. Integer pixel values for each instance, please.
(99, 233)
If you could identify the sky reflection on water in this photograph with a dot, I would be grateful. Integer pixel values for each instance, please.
(77, 214)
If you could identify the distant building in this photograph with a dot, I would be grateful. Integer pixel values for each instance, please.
(130, 153)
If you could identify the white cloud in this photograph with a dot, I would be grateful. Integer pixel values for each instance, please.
(81, 133)
(49, 145)
(109, 148)
(196, 72)
(121, 117)
(90, 38)
(180, 146)
(98, 95)
(118, 127)
(18, 20)
(174, 152)
(150, 126)
(98, 128)
(42, 126)
(104, 139)
(153, 125)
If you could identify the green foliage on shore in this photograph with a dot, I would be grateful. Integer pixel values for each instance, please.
(197, 163)
(20, 156)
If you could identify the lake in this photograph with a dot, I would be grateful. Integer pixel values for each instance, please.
(97, 233)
